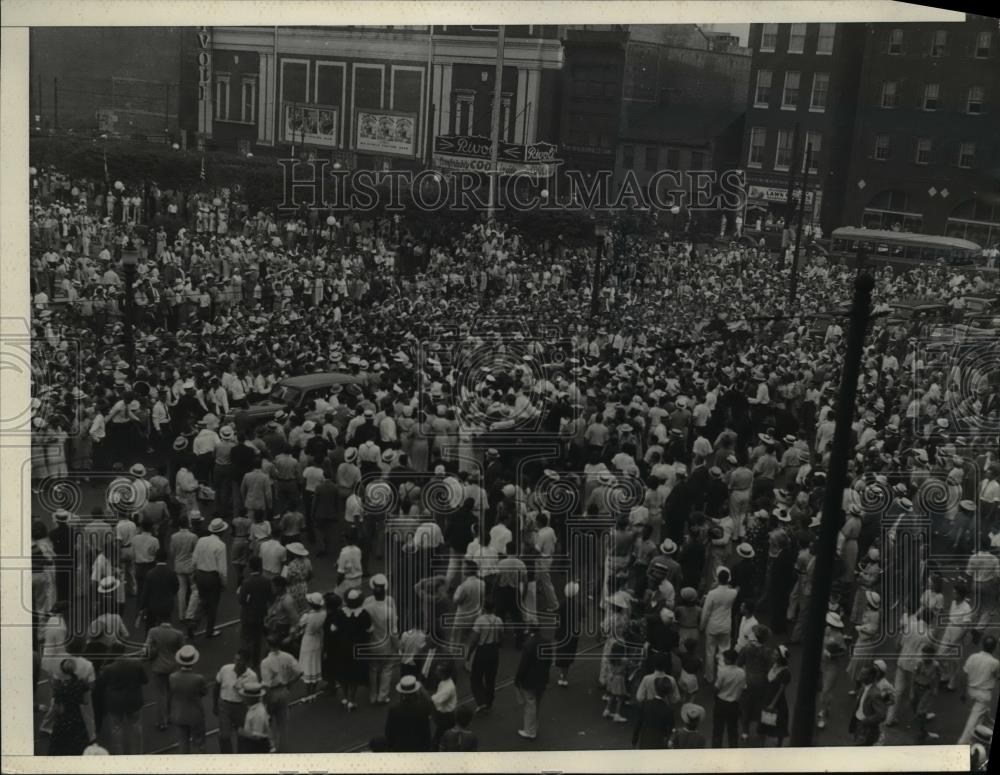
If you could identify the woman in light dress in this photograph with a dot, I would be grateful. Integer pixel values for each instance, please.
(311, 625)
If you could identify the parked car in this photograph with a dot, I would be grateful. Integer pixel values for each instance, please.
(292, 393)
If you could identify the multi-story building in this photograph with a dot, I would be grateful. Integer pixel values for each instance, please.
(803, 86)
(378, 95)
(140, 83)
(646, 98)
(926, 143)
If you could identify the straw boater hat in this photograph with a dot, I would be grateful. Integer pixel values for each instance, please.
(315, 599)
(217, 525)
(833, 619)
(297, 549)
(874, 599)
(187, 655)
(668, 547)
(61, 515)
(227, 433)
(252, 690)
(408, 684)
(108, 584)
(138, 470)
(350, 454)
(692, 713)
(354, 598)
(180, 443)
(378, 581)
(745, 550)
(689, 594)
(572, 589)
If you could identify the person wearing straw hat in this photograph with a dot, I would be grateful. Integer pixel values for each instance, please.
(210, 573)
(408, 721)
(381, 609)
(834, 650)
(187, 699)
(254, 734)
(688, 735)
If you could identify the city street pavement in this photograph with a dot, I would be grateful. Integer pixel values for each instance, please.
(569, 718)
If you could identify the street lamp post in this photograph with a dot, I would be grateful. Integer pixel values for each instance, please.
(599, 234)
(130, 259)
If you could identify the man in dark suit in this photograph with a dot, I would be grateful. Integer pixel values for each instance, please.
(158, 597)
(255, 596)
(408, 723)
(531, 679)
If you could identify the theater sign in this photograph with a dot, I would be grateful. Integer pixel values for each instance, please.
(458, 153)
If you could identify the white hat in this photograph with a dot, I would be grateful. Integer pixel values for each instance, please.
(298, 549)
(745, 550)
(315, 599)
(308, 426)
(138, 470)
(572, 589)
(187, 655)
(217, 525)
(350, 454)
(226, 433)
(388, 456)
(379, 580)
(834, 620)
(874, 599)
(620, 599)
(667, 616)
(668, 547)
(108, 584)
(408, 684)
(509, 490)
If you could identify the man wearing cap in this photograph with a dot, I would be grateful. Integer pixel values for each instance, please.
(210, 573)
(384, 645)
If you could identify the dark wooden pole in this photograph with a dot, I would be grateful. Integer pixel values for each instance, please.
(791, 190)
(793, 289)
(804, 717)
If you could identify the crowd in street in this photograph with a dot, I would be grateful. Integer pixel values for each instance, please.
(689, 422)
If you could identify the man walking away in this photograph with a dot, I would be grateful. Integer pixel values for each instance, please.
(729, 686)
(531, 680)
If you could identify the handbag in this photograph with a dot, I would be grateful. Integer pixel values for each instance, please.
(768, 718)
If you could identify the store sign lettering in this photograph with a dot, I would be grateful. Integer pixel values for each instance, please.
(204, 63)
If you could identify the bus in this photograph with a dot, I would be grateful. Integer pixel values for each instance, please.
(906, 249)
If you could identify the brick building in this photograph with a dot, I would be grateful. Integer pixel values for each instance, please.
(377, 96)
(803, 79)
(926, 145)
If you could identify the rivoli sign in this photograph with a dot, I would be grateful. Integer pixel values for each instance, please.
(478, 147)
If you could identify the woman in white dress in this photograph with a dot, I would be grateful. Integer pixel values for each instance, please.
(311, 649)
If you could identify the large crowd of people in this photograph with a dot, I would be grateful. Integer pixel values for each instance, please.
(688, 421)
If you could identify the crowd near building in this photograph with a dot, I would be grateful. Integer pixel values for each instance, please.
(300, 480)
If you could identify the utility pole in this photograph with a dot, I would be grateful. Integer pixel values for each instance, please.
(55, 103)
(794, 286)
(804, 719)
(495, 132)
(595, 295)
(791, 190)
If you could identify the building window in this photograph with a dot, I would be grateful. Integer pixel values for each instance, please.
(465, 104)
(249, 101)
(966, 155)
(821, 85)
(762, 95)
(769, 37)
(975, 103)
(814, 144)
(895, 41)
(881, 147)
(797, 39)
(758, 136)
(931, 92)
(673, 159)
(923, 151)
(783, 157)
(652, 158)
(890, 96)
(628, 157)
(697, 160)
(506, 130)
(938, 43)
(790, 96)
(824, 43)
(222, 97)
(983, 41)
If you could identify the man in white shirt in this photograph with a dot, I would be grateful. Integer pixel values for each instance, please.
(545, 544)
(228, 702)
(210, 569)
(384, 645)
(980, 677)
(500, 536)
(272, 556)
(717, 621)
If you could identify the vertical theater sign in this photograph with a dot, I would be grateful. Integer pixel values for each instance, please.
(204, 81)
